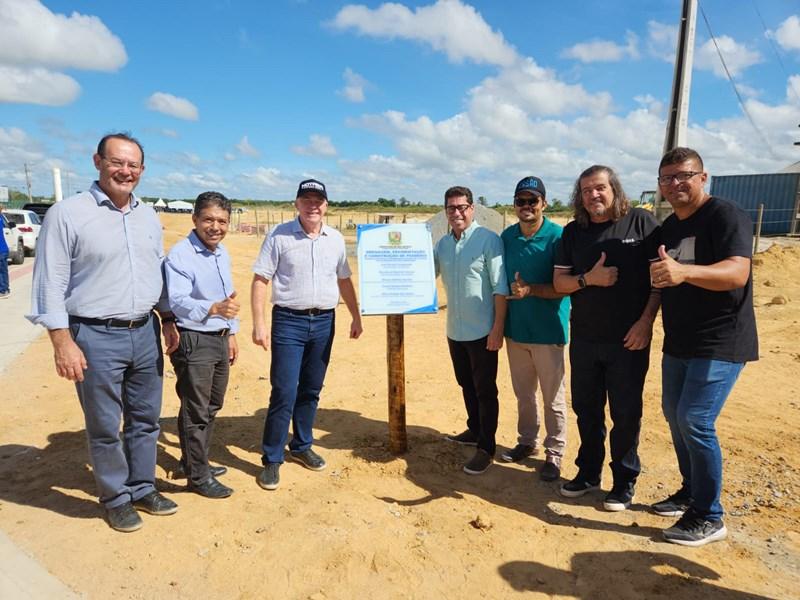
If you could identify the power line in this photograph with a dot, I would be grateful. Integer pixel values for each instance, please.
(736, 89)
(775, 51)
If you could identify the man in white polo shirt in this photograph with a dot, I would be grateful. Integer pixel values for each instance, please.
(306, 262)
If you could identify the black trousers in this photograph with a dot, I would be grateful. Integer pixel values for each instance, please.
(600, 371)
(476, 372)
(201, 368)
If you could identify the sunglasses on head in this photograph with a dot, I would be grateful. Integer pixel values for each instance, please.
(533, 201)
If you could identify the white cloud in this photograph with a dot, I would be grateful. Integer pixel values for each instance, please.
(267, 178)
(37, 86)
(180, 108)
(448, 26)
(229, 156)
(31, 35)
(353, 89)
(170, 133)
(318, 145)
(788, 34)
(662, 40)
(604, 50)
(245, 148)
(738, 57)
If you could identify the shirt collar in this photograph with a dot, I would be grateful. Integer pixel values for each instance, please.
(467, 232)
(518, 230)
(200, 247)
(101, 198)
(297, 227)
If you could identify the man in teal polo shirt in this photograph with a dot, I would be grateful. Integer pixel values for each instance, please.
(470, 262)
(536, 329)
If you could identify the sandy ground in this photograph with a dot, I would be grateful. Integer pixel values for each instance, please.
(414, 526)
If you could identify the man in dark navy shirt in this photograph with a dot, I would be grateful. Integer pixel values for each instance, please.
(706, 279)
(603, 263)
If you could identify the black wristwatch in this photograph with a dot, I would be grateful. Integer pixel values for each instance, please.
(581, 281)
(167, 320)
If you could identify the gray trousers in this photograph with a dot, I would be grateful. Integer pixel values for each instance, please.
(122, 383)
(201, 368)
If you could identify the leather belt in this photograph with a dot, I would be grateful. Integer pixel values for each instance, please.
(217, 333)
(304, 311)
(116, 323)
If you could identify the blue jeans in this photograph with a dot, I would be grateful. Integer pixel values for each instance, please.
(4, 286)
(301, 350)
(123, 383)
(693, 393)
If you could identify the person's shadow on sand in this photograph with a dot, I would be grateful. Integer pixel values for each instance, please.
(434, 464)
(625, 574)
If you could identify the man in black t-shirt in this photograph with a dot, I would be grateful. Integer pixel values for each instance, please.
(603, 262)
(705, 276)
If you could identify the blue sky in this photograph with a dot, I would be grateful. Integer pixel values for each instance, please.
(388, 99)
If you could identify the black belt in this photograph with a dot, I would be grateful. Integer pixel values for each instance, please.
(217, 333)
(118, 323)
(304, 311)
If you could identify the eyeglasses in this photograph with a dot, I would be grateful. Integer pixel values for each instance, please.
(679, 177)
(462, 208)
(532, 201)
(121, 164)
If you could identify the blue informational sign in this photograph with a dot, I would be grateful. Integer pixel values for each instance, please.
(396, 275)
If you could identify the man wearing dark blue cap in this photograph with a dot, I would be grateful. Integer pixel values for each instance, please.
(306, 262)
(535, 329)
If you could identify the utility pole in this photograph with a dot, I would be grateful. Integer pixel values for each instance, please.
(681, 86)
(28, 181)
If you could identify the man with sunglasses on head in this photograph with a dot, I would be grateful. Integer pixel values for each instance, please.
(96, 281)
(470, 262)
(603, 263)
(536, 329)
(706, 281)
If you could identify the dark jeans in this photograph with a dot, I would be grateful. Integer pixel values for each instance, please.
(4, 285)
(123, 382)
(201, 368)
(301, 350)
(476, 372)
(694, 391)
(600, 371)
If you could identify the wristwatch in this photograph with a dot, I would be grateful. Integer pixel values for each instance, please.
(581, 281)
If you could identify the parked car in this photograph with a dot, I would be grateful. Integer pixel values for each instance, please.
(28, 224)
(40, 208)
(16, 247)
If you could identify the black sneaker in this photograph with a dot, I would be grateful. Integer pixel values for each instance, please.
(124, 518)
(478, 463)
(579, 486)
(694, 530)
(270, 476)
(465, 438)
(309, 459)
(518, 453)
(156, 504)
(675, 505)
(549, 471)
(619, 498)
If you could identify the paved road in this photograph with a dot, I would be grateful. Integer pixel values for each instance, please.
(21, 576)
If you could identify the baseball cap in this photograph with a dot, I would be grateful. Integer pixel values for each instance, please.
(531, 184)
(312, 185)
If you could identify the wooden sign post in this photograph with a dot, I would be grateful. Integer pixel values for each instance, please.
(395, 362)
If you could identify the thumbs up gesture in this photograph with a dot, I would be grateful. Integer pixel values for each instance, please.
(666, 272)
(519, 288)
(226, 309)
(600, 274)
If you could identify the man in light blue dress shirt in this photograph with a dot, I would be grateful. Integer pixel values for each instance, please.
(96, 280)
(470, 263)
(307, 264)
(202, 298)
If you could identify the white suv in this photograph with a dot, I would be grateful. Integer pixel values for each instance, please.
(28, 224)
(16, 247)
